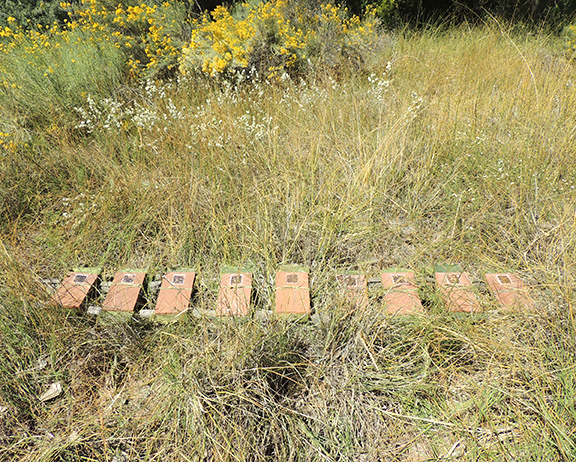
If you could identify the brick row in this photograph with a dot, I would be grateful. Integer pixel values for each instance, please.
(399, 291)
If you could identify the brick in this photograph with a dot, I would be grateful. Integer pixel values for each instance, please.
(355, 290)
(234, 294)
(292, 292)
(75, 287)
(401, 293)
(457, 292)
(124, 291)
(175, 292)
(509, 290)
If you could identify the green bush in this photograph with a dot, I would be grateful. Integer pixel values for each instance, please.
(418, 11)
(28, 13)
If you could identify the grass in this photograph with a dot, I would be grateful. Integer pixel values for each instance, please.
(43, 77)
(458, 148)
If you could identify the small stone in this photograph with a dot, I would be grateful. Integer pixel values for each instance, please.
(320, 320)
(94, 310)
(154, 286)
(73, 437)
(41, 363)
(53, 391)
(145, 314)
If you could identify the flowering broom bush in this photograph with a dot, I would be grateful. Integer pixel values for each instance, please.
(150, 35)
(48, 69)
(276, 38)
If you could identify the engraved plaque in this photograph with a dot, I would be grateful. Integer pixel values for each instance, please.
(74, 289)
(124, 291)
(354, 286)
(178, 279)
(352, 281)
(349, 281)
(292, 278)
(504, 279)
(128, 279)
(453, 278)
(80, 278)
(401, 296)
(510, 291)
(235, 279)
(399, 279)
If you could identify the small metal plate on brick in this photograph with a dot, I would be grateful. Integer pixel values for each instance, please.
(175, 292)
(399, 279)
(355, 289)
(234, 294)
(124, 291)
(292, 293)
(128, 279)
(452, 278)
(352, 281)
(74, 289)
(235, 279)
(504, 279)
(80, 278)
(178, 279)
(457, 292)
(292, 278)
(401, 293)
(509, 290)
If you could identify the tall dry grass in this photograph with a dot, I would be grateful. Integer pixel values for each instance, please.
(459, 147)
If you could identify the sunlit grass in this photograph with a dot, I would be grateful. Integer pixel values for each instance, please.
(458, 148)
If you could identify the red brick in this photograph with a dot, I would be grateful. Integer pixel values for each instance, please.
(175, 292)
(509, 290)
(355, 290)
(401, 295)
(292, 293)
(457, 292)
(234, 295)
(124, 291)
(74, 289)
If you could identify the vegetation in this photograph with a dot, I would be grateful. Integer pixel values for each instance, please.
(421, 12)
(278, 37)
(451, 145)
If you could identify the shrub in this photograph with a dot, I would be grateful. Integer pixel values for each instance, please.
(29, 13)
(277, 37)
(416, 11)
(150, 35)
(47, 70)
(570, 39)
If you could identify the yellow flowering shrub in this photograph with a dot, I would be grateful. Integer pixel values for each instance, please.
(148, 34)
(47, 69)
(275, 37)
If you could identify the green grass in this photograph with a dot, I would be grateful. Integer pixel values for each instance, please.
(460, 150)
(43, 78)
